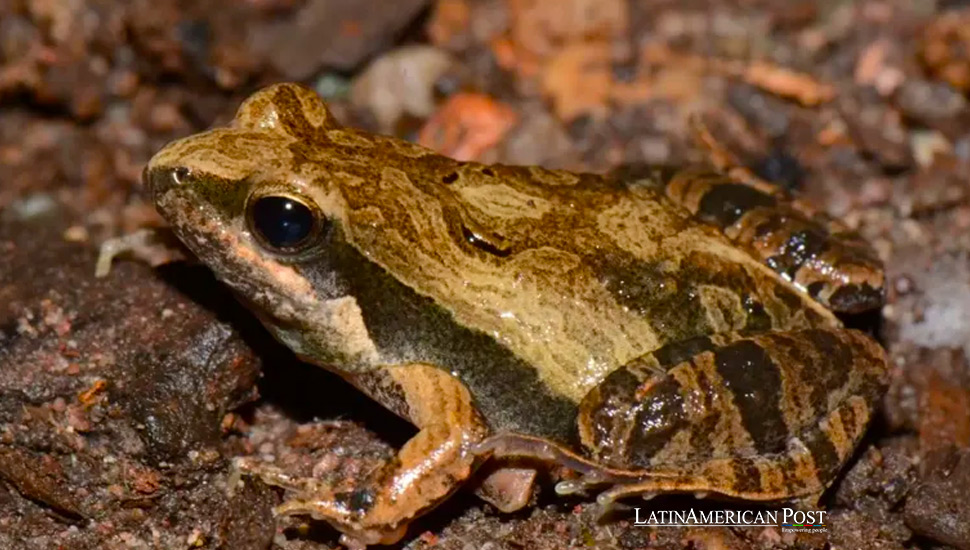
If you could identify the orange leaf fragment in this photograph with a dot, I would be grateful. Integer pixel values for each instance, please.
(788, 83)
(467, 125)
(88, 396)
(451, 20)
(510, 58)
(579, 80)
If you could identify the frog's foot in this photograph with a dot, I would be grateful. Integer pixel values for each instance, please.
(755, 478)
(592, 476)
(152, 246)
(791, 476)
(426, 470)
(318, 499)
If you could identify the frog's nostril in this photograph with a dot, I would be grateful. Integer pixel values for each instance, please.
(160, 180)
(180, 174)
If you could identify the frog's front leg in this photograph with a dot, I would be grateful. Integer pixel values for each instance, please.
(768, 417)
(428, 468)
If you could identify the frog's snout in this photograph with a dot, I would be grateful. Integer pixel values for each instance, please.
(159, 180)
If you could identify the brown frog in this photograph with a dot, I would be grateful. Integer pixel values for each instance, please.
(666, 333)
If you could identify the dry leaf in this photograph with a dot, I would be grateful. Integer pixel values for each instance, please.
(467, 125)
(450, 21)
(789, 84)
(579, 80)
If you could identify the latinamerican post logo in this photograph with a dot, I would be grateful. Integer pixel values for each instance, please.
(789, 520)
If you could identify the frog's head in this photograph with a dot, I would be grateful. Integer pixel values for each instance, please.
(254, 204)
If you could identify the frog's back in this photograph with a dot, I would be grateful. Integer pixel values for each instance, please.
(575, 274)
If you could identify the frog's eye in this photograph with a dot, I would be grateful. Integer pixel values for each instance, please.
(284, 223)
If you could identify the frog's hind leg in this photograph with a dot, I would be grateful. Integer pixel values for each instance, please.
(768, 417)
(800, 473)
(817, 254)
(771, 416)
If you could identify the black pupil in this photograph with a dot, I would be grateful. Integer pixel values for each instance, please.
(282, 222)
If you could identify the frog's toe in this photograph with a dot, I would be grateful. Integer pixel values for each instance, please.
(571, 487)
(582, 485)
(356, 533)
(608, 499)
(317, 508)
(268, 474)
(351, 542)
(360, 540)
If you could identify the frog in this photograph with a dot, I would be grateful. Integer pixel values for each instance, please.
(670, 331)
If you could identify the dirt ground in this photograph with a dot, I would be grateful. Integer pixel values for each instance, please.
(124, 399)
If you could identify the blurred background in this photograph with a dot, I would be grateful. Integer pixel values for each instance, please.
(121, 400)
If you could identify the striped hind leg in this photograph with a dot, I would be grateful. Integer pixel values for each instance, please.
(768, 417)
(800, 473)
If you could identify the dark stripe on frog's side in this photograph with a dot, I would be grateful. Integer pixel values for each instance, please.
(665, 300)
(671, 301)
(408, 327)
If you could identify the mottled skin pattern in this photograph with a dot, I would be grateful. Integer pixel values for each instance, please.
(653, 334)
